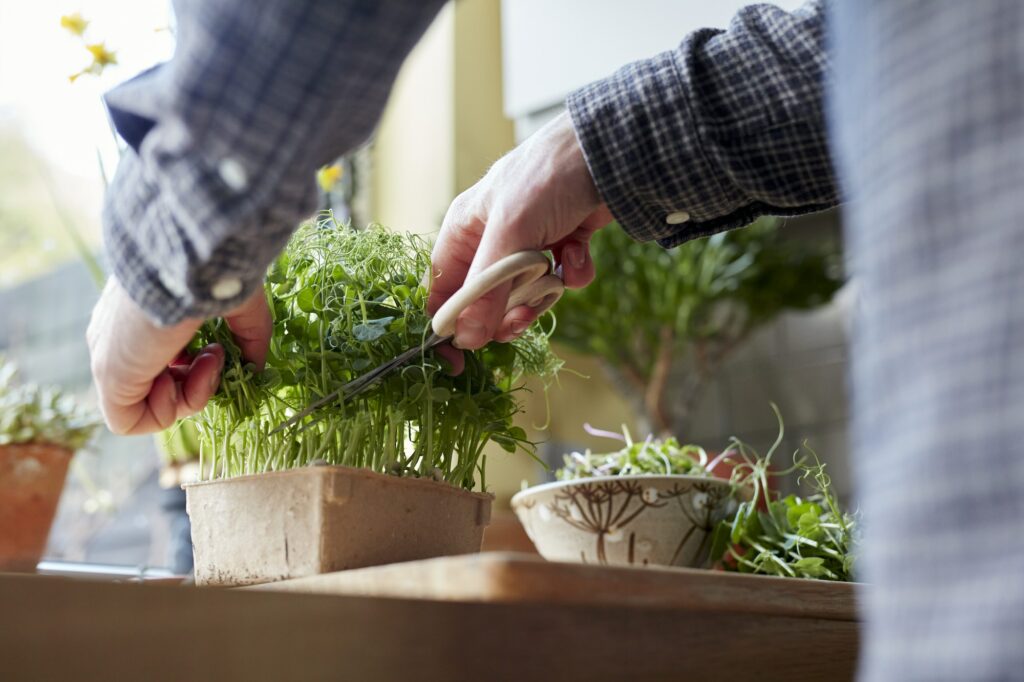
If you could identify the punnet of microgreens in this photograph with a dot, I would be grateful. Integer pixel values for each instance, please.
(792, 536)
(344, 301)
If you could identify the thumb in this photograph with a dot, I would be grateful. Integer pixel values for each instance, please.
(252, 327)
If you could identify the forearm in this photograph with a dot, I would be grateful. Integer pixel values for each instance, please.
(226, 136)
(728, 127)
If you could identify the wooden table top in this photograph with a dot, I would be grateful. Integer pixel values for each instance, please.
(490, 617)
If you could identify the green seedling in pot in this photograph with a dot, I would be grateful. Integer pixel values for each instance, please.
(343, 302)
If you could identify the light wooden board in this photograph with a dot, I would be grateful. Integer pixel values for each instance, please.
(488, 617)
(522, 578)
(61, 629)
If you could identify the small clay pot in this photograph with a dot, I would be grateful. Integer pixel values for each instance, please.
(321, 519)
(31, 480)
(625, 520)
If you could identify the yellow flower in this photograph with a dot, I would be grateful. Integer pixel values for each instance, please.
(101, 58)
(328, 176)
(74, 23)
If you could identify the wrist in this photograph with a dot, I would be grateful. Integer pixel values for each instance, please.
(569, 163)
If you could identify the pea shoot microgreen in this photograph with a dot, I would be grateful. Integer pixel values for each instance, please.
(343, 301)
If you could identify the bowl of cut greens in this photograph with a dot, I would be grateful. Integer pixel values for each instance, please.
(652, 502)
(656, 502)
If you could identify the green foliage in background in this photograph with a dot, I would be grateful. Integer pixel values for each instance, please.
(43, 415)
(344, 301)
(651, 311)
(37, 233)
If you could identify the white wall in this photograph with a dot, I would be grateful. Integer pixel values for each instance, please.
(554, 46)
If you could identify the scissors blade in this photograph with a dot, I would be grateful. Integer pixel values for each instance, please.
(308, 410)
(362, 382)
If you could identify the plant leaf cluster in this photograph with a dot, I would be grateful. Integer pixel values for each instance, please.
(344, 301)
(40, 414)
(795, 537)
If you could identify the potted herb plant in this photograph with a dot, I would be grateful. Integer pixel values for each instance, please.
(40, 430)
(662, 322)
(656, 502)
(389, 476)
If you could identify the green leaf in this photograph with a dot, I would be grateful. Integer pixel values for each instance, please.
(720, 541)
(306, 301)
(368, 331)
(506, 443)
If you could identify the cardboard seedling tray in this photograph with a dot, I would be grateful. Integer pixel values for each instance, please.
(289, 524)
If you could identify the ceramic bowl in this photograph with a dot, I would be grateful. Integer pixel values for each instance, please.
(625, 520)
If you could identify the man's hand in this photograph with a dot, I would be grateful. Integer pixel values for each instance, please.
(539, 196)
(144, 380)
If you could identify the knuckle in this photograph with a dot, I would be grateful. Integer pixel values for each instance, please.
(117, 426)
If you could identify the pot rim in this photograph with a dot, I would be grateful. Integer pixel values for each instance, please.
(554, 485)
(320, 469)
(38, 445)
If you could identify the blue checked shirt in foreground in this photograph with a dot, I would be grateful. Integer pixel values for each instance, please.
(925, 122)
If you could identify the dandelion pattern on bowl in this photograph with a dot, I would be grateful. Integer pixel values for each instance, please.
(625, 520)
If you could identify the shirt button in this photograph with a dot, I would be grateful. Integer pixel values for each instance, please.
(677, 217)
(226, 287)
(232, 172)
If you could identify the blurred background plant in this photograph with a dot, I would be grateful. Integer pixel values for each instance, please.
(662, 322)
(30, 413)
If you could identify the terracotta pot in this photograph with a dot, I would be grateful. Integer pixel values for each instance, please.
(625, 520)
(31, 480)
(321, 519)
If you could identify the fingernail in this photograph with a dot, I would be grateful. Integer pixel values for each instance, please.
(175, 392)
(575, 254)
(469, 334)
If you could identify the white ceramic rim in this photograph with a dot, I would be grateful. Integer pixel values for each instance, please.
(552, 485)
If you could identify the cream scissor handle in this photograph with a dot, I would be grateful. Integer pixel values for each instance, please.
(532, 285)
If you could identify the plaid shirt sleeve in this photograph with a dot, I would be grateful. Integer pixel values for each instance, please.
(225, 138)
(726, 128)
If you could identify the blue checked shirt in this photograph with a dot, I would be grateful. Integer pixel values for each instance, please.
(912, 111)
(226, 136)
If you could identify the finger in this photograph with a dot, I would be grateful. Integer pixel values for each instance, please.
(479, 322)
(453, 252)
(515, 323)
(144, 416)
(202, 381)
(456, 358)
(601, 217)
(252, 327)
(162, 401)
(577, 265)
(573, 252)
